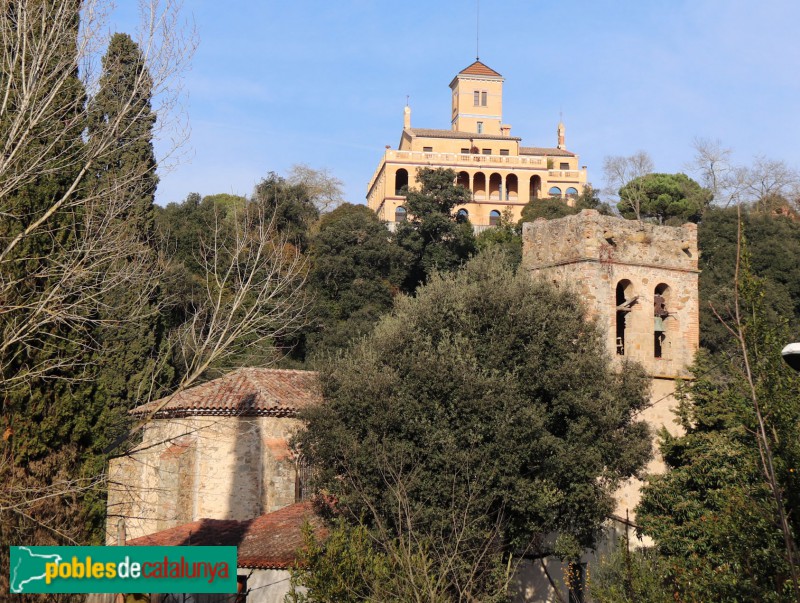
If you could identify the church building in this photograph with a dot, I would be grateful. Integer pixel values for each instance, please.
(499, 171)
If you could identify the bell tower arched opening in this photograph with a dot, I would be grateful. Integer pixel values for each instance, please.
(660, 314)
(624, 300)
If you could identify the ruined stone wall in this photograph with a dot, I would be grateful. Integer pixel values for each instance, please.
(592, 254)
(202, 467)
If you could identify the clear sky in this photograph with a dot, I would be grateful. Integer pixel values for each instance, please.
(324, 82)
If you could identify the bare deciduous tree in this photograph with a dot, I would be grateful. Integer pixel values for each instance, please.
(620, 170)
(253, 292)
(758, 182)
(324, 188)
(712, 163)
(89, 253)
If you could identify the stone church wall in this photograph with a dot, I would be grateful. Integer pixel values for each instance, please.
(188, 468)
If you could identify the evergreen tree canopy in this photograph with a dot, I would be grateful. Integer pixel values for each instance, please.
(672, 199)
(292, 205)
(712, 514)
(505, 236)
(128, 168)
(433, 235)
(555, 207)
(774, 246)
(356, 271)
(487, 397)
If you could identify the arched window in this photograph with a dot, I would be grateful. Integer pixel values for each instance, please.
(512, 186)
(495, 182)
(554, 191)
(494, 217)
(479, 186)
(624, 300)
(400, 181)
(572, 192)
(462, 215)
(400, 214)
(535, 187)
(463, 180)
(660, 314)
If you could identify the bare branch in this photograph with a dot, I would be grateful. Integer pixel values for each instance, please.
(619, 171)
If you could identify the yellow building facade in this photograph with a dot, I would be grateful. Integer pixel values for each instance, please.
(500, 173)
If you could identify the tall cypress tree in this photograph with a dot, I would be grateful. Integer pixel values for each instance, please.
(126, 173)
(125, 179)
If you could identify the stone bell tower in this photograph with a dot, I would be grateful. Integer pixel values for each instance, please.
(639, 281)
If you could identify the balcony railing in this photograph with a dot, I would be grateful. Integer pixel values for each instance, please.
(467, 159)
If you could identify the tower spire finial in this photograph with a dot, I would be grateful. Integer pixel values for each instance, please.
(477, 30)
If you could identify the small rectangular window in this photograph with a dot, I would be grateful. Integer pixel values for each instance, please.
(480, 127)
(465, 151)
(487, 151)
(504, 151)
(427, 149)
(563, 166)
(476, 98)
(484, 96)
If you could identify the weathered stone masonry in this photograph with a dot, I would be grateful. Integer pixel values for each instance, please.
(623, 269)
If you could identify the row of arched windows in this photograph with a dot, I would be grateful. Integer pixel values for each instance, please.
(495, 189)
(556, 192)
(401, 215)
(625, 298)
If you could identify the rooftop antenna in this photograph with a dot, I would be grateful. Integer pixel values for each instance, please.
(407, 97)
(477, 30)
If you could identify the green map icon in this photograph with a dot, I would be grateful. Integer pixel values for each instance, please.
(27, 567)
(122, 569)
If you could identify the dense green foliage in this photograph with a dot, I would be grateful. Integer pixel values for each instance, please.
(629, 574)
(292, 206)
(435, 239)
(486, 397)
(128, 168)
(351, 566)
(712, 515)
(355, 272)
(774, 246)
(85, 409)
(79, 374)
(505, 236)
(555, 207)
(671, 199)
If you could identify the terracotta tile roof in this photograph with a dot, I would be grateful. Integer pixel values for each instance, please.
(550, 152)
(478, 68)
(246, 391)
(432, 133)
(270, 541)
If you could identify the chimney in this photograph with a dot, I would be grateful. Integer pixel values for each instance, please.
(407, 118)
(505, 130)
(561, 137)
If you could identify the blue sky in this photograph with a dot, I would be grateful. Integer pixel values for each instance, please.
(324, 83)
